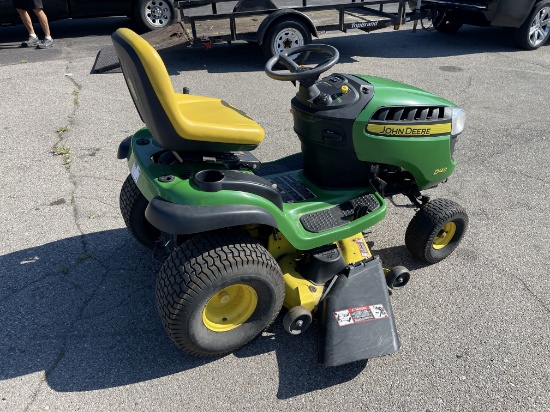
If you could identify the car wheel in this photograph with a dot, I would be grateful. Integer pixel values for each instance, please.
(534, 32)
(154, 14)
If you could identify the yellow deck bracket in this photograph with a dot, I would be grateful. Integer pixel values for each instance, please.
(354, 249)
(298, 290)
(279, 246)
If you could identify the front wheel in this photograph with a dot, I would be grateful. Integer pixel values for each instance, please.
(284, 35)
(436, 230)
(534, 32)
(154, 14)
(217, 292)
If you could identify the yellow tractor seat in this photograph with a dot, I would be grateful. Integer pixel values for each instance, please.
(180, 122)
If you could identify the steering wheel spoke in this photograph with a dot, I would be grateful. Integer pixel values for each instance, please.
(287, 61)
(297, 72)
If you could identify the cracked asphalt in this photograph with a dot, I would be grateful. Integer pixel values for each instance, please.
(79, 328)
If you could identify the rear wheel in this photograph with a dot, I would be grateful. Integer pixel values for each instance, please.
(534, 32)
(436, 230)
(286, 34)
(132, 208)
(217, 292)
(154, 14)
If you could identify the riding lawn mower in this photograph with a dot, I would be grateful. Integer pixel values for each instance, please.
(240, 239)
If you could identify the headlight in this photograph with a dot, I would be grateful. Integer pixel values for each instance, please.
(458, 121)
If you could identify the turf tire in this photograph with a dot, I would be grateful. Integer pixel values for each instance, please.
(199, 269)
(132, 206)
(427, 224)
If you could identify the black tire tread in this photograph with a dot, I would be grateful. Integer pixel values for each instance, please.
(132, 207)
(196, 265)
(435, 213)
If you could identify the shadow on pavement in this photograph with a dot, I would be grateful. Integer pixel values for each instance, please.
(92, 35)
(88, 319)
(401, 44)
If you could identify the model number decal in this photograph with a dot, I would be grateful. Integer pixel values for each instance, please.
(438, 171)
(360, 314)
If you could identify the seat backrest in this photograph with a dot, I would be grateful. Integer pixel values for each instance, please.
(142, 65)
(162, 110)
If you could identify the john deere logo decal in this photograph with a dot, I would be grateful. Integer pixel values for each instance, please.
(401, 130)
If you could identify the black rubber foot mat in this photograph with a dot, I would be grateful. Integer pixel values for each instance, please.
(291, 189)
(287, 164)
(339, 215)
(107, 61)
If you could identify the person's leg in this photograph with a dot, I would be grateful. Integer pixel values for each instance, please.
(43, 20)
(26, 19)
(27, 22)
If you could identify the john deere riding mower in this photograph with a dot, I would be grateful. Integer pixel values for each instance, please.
(241, 239)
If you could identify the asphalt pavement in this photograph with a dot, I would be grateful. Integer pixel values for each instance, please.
(79, 328)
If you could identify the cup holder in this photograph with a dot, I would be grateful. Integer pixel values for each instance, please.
(209, 180)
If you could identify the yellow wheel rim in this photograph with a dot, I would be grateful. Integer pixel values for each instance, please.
(229, 308)
(444, 236)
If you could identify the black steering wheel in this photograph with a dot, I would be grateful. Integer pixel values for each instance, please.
(297, 72)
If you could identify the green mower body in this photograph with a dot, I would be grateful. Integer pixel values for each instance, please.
(240, 239)
(380, 130)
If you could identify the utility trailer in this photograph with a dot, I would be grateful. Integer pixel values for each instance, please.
(273, 27)
(277, 28)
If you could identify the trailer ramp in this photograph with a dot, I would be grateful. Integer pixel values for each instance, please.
(163, 39)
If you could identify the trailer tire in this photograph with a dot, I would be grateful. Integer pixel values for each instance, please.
(154, 14)
(285, 34)
(529, 39)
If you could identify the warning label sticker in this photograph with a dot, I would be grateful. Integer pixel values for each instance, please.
(363, 248)
(361, 314)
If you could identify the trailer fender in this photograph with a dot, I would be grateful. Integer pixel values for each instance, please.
(281, 15)
(178, 219)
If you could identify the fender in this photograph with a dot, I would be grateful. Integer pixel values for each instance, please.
(124, 148)
(500, 13)
(269, 20)
(512, 13)
(178, 219)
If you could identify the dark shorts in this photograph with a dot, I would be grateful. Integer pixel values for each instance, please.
(28, 4)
